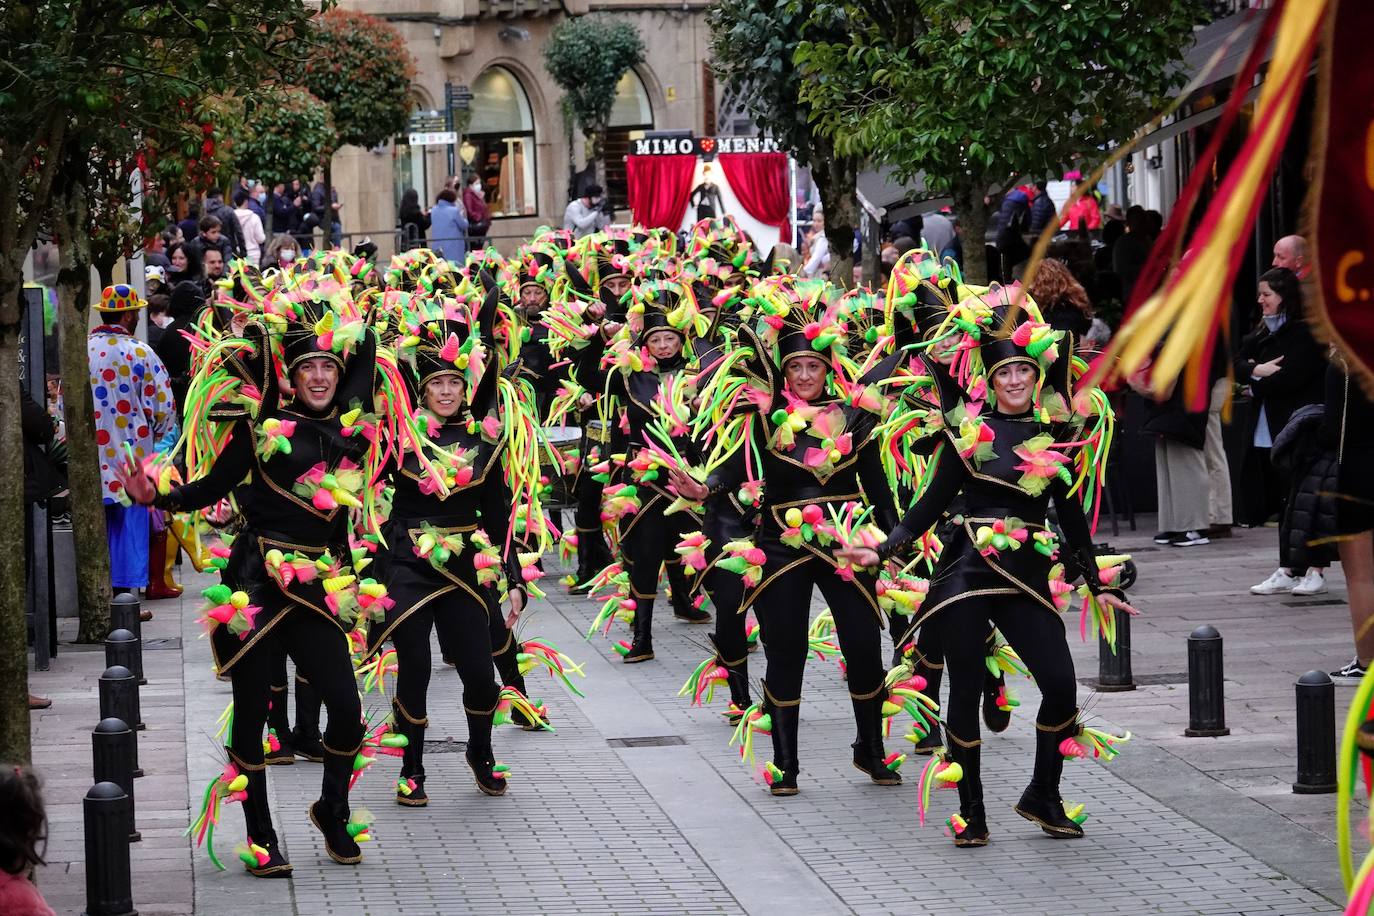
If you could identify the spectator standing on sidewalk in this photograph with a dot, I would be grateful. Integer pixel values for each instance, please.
(479, 214)
(1284, 367)
(211, 238)
(1348, 427)
(412, 218)
(134, 408)
(448, 226)
(1219, 507)
(325, 205)
(229, 224)
(1180, 465)
(584, 215)
(250, 224)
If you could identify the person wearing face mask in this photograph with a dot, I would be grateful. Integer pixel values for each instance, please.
(1002, 564)
(649, 369)
(436, 535)
(281, 253)
(289, 586)
(479, 214)
(1284, 369)
(813, 454)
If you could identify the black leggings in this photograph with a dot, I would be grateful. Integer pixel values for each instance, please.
(783, 612)
(320, 650)
(647, 546)
(726, 591)
(464, 636)
(1032, 630)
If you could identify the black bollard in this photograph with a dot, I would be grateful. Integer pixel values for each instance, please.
(1206, 694)
(109, 882)
(112, 754)
(124, 611)
(122, 647)
(1316, 707)
(1114, 668)
(119, 700)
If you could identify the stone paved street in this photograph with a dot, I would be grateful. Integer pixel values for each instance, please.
(667, 820)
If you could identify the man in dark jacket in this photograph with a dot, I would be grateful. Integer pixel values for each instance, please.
(1042, 208)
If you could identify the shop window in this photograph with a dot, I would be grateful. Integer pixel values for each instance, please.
(631, 115)
(499, 144)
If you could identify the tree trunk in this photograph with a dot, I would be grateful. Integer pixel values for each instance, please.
(327, 224)
(83, 465)
(973, 222)
(14, 661)
(836, 181)
(596, 154)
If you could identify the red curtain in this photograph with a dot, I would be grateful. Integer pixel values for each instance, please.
(759, 180)
(659, 188)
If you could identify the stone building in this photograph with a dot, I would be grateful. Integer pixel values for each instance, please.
(484, 59)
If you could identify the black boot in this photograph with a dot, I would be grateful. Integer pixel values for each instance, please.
(785, 766)
(279, 730)
(410, 787)
(642, 648)
(1041, 802)
(305, 737)
(592, 557)
(970, 786)
(683, 606)
(257, 816)
(737, 676)
(479, 753)
(330, 814)
(869, 755)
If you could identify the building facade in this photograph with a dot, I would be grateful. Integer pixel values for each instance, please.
(480, 73)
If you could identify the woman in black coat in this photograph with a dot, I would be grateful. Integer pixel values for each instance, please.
(411, 214)
(1283, 367)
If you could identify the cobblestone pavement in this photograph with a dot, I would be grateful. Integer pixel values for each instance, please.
(637, 805)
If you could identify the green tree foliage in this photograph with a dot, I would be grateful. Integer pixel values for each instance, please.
(972, 94)
(753, 43)
(360, 67)
(91, 95)
(289, 134)
(587, 56)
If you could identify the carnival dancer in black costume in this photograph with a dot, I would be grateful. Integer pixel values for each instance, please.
(294, 592)
(815, 455)
(1000, 564)
(445, 537)
(604, 294)
(651, 380)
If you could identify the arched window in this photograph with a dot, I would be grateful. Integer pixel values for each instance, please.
(631, 115)
(499, 143)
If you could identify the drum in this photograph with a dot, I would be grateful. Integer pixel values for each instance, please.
(558, 463)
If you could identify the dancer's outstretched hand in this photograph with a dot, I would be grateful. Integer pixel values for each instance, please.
(1113, 601)
(687, 487)
(135, 482)
(863, 557)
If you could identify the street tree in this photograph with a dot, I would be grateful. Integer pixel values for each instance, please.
(972, 94)
(289, 133)
(753, 43)
(587, 56)
(359, 66)
(81, 77)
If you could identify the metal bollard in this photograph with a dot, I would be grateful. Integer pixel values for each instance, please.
(109, 881)
(1206, 694)
(124, 611)
(119, 700)
(1316, 708)
(1114, 668)
(112, 755)
(122, 647)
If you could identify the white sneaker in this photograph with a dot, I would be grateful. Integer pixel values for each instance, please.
(1278, 581)
(1189, 539)
(1313, 583)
